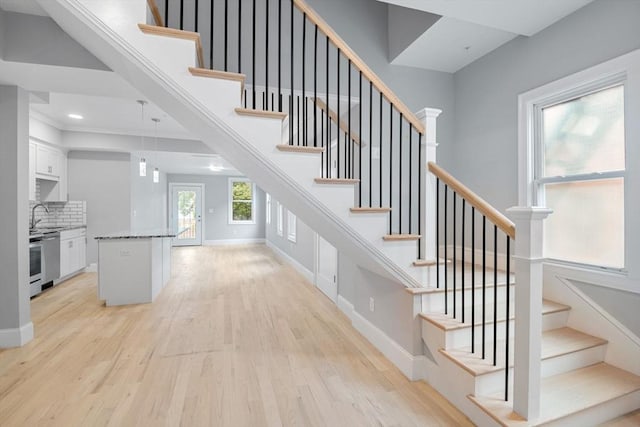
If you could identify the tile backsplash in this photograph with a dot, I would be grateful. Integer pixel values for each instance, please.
(61, 214)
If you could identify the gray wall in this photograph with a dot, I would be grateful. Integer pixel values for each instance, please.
(486, 91)
(148, 199)
(303, 250)
(14, 177)
(103, 180)
(216, 197)
(39, 40)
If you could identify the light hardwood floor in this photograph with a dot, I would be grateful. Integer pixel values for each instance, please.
(237, 338)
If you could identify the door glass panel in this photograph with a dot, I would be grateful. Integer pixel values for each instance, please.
(187, 220)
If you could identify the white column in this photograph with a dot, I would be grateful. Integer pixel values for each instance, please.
(429, 116)
(528, 308)
(15, 309)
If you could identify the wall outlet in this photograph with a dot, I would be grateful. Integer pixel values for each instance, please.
(372, 304)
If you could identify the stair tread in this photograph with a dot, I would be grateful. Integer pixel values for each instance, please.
(400, 237)
(336, 181)
(217, 74)
(179, 34)
(448, 323)
(467, 287)
(565, 394)
(370, 210)
(556, 342)
(300, 149)
(429, 262)
(261, 113)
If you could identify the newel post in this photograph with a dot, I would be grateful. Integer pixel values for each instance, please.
(429, 116)
(528, 259)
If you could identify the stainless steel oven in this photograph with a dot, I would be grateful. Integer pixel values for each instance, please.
(36, 270)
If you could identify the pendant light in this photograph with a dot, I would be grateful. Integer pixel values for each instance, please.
(143, 162)
(156, 172)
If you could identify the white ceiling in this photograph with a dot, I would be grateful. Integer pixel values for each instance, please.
(30, 7)
(188, 163)
(469, 29)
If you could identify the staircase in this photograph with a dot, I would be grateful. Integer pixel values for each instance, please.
(312, 147)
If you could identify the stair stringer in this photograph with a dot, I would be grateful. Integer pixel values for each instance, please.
(172, 88)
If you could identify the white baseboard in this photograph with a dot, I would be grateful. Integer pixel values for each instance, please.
(413, 367)
(91, 268)
(16, 337)
(233, 242)
(286, 257)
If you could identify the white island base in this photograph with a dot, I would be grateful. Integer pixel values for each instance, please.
(132, 270)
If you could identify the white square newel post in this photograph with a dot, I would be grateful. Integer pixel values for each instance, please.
(429, 117)
(528, 259)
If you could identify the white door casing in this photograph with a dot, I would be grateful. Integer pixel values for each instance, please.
(186, 217)
(327, 268)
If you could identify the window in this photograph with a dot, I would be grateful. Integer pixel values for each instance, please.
(279, 219)
(241, 201)
(579, 172)
(268, 209)
(292, 226)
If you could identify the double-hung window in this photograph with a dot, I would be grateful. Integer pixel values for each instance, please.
(579, 172)
(241, 201)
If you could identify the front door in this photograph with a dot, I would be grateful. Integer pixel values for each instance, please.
(327, 269)
(186, 214)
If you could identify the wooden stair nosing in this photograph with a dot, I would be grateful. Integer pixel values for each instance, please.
(617, 383)
(369, 210)
(300, 149)
(429, 262)
(336, 181)
(260, 113)
(549, 350)
(400, 237)
(222, 75)
(548, 307)
(467, 287)
(177, 34)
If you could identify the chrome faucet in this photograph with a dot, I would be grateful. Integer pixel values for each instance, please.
(33, 215)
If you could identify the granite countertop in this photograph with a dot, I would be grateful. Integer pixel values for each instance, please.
(144, 234)
(43, 231)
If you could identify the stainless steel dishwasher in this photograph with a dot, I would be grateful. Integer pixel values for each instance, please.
(51, 254)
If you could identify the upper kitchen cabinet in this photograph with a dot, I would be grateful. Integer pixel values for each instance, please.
(32, 171)
(48, 162)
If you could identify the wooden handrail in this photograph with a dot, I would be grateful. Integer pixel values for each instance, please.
(360, 65)
(155, 12)
(334, 117)
(474, 200)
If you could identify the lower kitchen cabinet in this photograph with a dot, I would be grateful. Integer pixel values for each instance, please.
(73, 251)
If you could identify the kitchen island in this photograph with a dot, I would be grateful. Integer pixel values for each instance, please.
(133, 267)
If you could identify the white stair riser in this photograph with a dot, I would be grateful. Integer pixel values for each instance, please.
(434, 302)
(494, 381)
(457, 338)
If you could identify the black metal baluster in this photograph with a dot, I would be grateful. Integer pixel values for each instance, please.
(438, 234)
(446, 285)
(226, 35)
(360, 146)
(380, 155)
(400, 177)
(195, 18)
(304, 78)
(280, 56)
(322, 155)
(391, 168)
(473, 279)
(495, 295)
(253, 52)
(326, 109)
(421, 167)
(506, 350)
(370, 143)
(455, 250)
(291, 117)
(166, 12)
(462, 269)
(211, 17)
(239, 36)
(182, 14)
(411, 179)
(338, 114)
(298, 117)
(315, 87)
(266, 55)
(348, 147)
(484, 280)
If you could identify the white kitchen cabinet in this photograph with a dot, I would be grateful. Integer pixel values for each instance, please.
(73, 251)
(47, 162)
(32, 171)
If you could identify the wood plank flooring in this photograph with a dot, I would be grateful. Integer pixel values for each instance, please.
(237, 338)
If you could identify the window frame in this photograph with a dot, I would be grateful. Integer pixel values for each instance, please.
(230, 202)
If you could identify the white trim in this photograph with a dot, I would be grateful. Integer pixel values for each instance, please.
(91, 268)
(607, 278)
(202, 206)
(279, 219)
(292, 226)
(413, 367)
(294, 263)
(16, 337)
(267, 202)
(233, 242)
(230, 219)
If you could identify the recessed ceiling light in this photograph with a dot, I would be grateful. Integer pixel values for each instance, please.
(75, 116)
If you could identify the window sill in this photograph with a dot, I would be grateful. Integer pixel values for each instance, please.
(597, 276)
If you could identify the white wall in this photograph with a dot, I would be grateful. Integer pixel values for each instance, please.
(217, 227)
(103, 180)
(148, 199)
